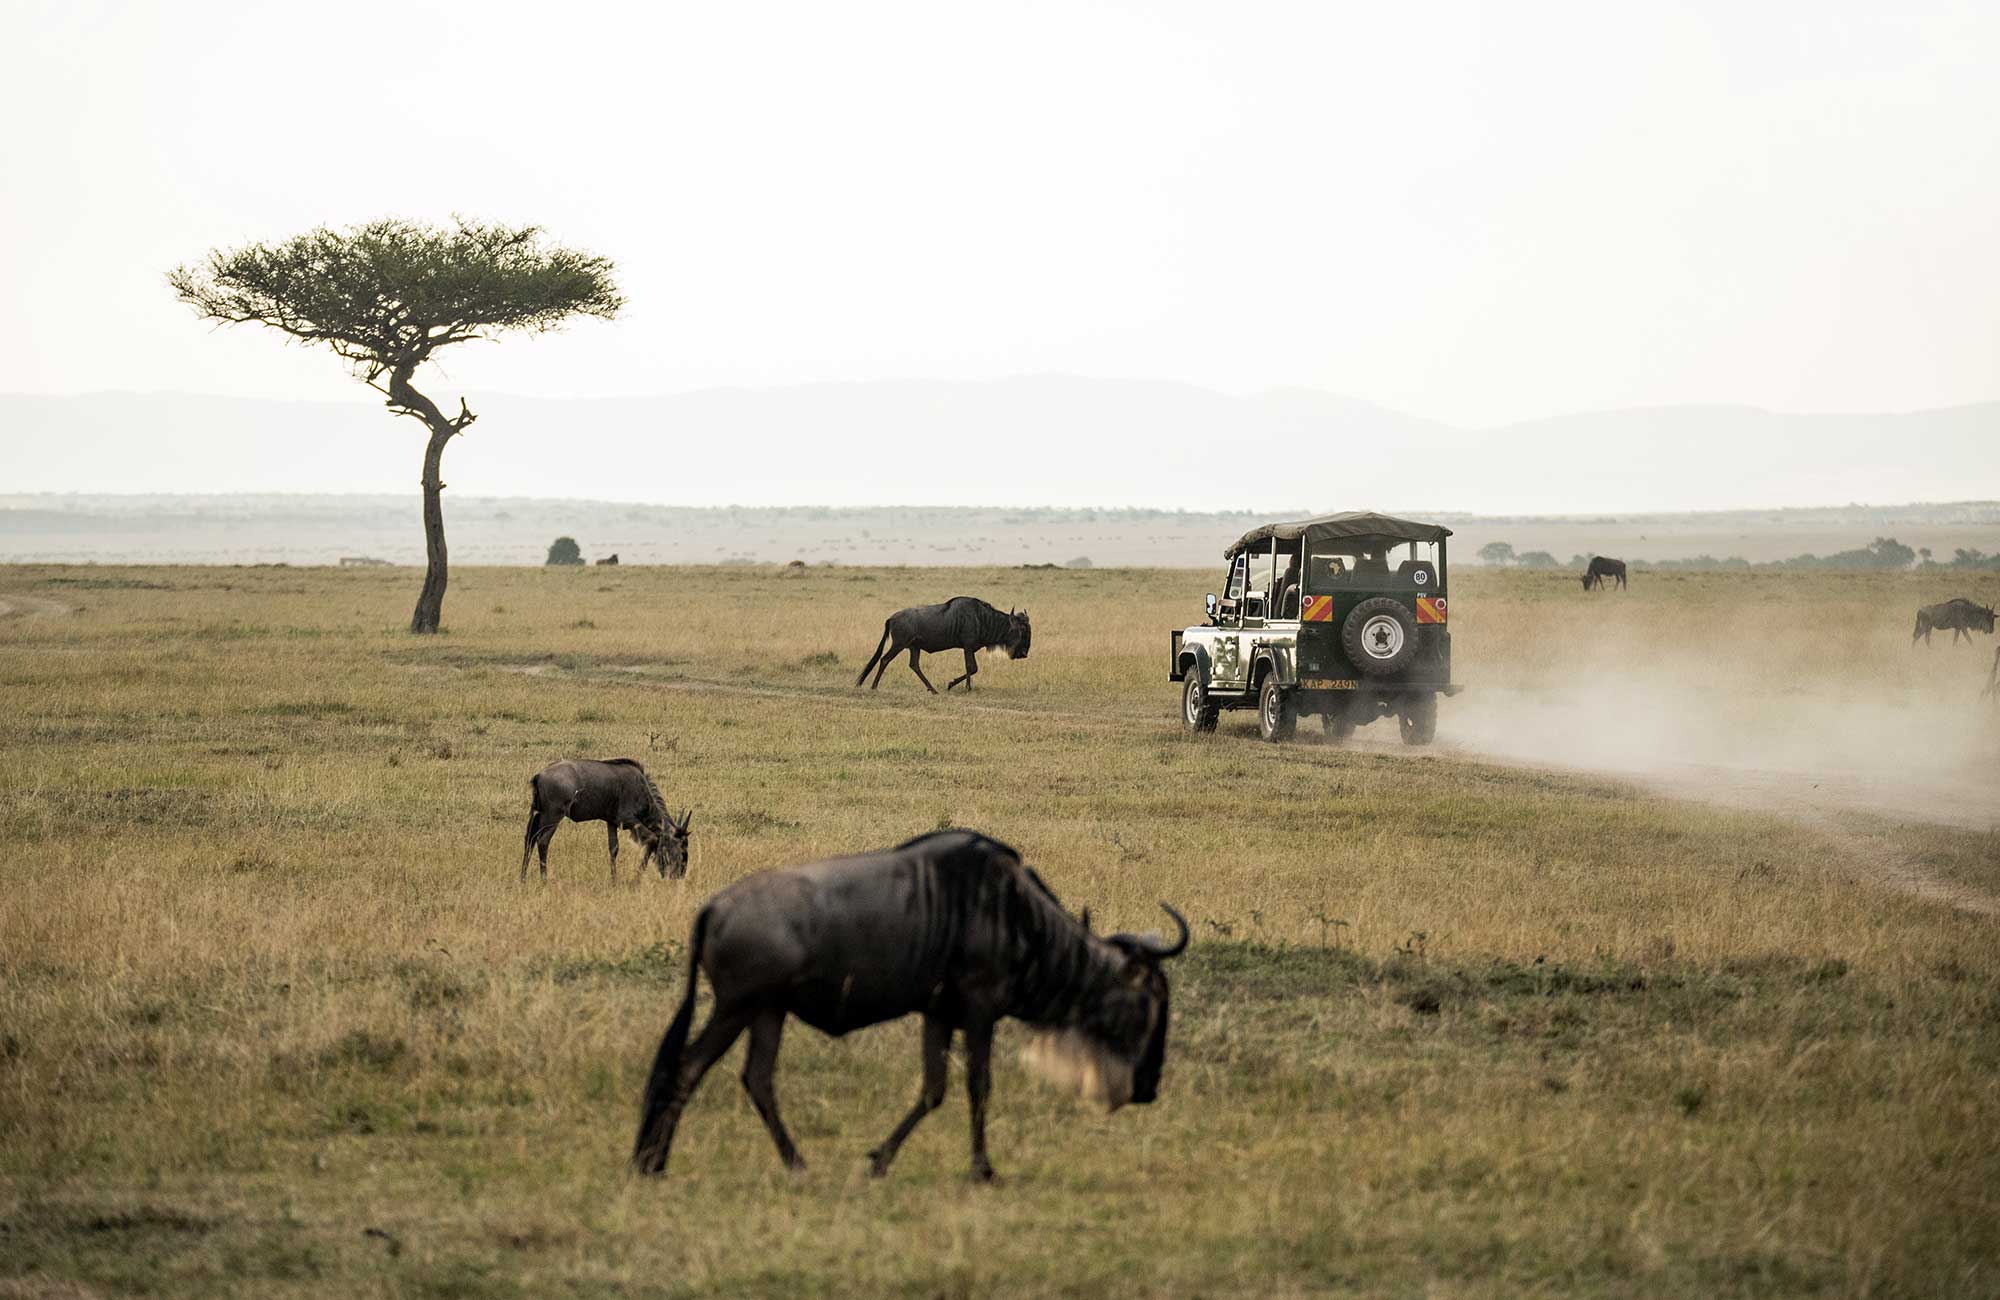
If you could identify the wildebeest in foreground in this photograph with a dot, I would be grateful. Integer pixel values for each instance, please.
(616, 791)
(1959, 615)
(962, 623)
(1600, 568)
(949, 925)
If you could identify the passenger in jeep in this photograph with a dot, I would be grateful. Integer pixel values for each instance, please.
(1285, 595)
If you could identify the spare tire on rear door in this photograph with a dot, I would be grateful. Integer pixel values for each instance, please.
(1380, 637)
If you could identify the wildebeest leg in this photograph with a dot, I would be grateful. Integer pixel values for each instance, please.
(542, 845)
(915, 654)
(895, 648)
(978, 1083)
(716, 1037)
(614, 852)
(971, 667)
(937, 1039)
(759, 1064)
(874, 657)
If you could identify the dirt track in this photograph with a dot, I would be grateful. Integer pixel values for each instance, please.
(15, 605)
(1848, 806)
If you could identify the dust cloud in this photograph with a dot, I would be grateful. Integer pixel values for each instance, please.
(1813, 721)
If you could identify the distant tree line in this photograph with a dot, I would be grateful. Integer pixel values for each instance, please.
(1884, 553)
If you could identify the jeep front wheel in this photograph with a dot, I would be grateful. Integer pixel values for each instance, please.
(1277, 711)
(1197, 711)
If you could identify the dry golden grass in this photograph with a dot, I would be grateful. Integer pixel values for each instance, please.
(275, 1017)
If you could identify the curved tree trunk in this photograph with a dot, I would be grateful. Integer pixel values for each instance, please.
(430, 603)
(408, 401)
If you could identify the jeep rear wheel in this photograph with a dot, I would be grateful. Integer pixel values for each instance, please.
(1277, 711)
(1419, 720)
(1380, 637)
(1197, 712)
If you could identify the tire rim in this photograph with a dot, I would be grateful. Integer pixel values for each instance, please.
(1382, 637)
(1270, 710)
(1193, 703)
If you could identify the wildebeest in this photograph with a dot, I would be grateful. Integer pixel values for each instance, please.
(950, 925)
(610, 559)
(1960, 615)
(961, 623)
(616, 791)
(1600, 568)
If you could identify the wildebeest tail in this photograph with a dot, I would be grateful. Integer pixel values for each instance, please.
(876, 656)
(667, 1062)
(534, 804)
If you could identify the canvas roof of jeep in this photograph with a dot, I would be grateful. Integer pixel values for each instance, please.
(1351, 523)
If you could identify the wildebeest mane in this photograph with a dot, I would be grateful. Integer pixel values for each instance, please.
(1053, 948)
(993, 624)
(660, 817)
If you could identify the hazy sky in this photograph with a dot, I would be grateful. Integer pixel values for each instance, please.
(1473, 212)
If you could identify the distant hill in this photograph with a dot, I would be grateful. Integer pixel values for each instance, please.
(1043, 440)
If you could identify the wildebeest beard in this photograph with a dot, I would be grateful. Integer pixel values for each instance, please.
(1073, 1061)
(1076, 1059)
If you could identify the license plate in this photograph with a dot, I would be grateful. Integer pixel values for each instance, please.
(1328, 683)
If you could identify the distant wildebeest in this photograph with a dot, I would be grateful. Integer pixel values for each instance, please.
(1600, 568)
(610, 559)
(1960, 615)
(961, 623)
(616, 791)
(950, 925)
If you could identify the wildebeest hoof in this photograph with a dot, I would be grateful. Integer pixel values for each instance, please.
(878, 1164)
(983, 1174)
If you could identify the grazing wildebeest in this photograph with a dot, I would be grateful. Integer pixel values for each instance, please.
(949, 925)
(1960, 615)
(961, 623)
(1602, 567)
(616, 791)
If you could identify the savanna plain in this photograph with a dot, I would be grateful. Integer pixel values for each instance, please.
(1484, 1019)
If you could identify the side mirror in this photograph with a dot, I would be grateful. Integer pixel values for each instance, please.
(1209, 600)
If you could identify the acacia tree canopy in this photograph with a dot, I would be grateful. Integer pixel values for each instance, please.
(386, 295)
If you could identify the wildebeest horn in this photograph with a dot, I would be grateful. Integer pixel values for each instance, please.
(1086, 920)
(1152, 947)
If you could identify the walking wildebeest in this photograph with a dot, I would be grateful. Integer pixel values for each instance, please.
(616, 791)
(1602, 567)
(1960, 615)
(961, 623)
(950, 925)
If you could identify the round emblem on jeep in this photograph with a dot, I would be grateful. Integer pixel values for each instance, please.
(1420, 577)
(1382, 637)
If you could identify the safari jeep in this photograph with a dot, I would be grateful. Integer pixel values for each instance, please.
(1343, 616)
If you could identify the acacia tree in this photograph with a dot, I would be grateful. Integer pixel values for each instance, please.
(385, 296)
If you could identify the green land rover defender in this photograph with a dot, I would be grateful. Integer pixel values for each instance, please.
(1341, 616)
